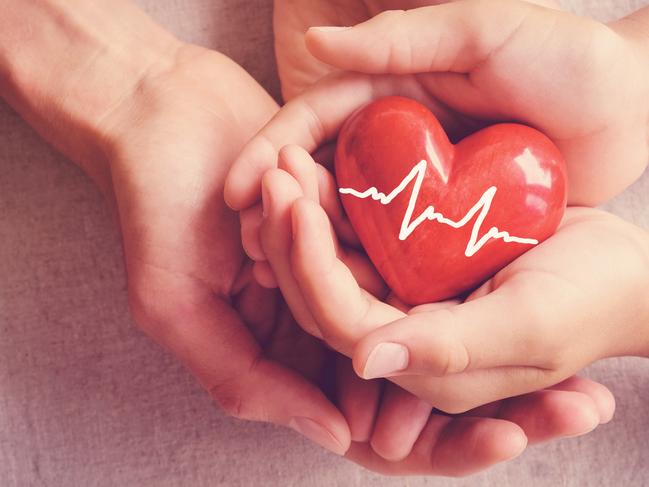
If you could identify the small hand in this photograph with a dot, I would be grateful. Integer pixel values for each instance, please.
(404, 437)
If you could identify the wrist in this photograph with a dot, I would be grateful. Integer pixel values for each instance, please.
(65, 65)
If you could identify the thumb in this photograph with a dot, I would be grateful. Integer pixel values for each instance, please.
(451, 37)
(211, 339)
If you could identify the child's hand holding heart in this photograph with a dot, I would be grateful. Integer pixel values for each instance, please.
(538, 321)
(550, 312)
(400, 435)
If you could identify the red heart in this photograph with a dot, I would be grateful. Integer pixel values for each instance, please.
(515, 168)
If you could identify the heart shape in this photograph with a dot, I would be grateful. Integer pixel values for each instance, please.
(439, 219)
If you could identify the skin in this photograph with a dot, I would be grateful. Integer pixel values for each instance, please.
(349, 49)
(461, 355)
(298, 69)
(158, 140)
(315, 275)
(157, 128)
(582, 83)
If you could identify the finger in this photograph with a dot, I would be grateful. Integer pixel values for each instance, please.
(453, 37)
(299, 164)
(357, 399)
(343, 311)
(264, 274)
(328, 193)
(208, 336)
(600, 394)
(309, 121)
(280, 190)
(482, 333)
(317, 184)
(250, 220)
(483, 442)
(399, 422)
(550, 414)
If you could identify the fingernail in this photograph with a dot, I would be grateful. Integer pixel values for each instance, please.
(265, 201)
(329, 28)
(318, 434)
(386, 359)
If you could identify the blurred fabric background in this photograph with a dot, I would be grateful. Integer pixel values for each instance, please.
(87, 400)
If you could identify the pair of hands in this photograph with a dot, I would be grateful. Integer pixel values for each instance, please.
(458, 356)
(192, 290)
(167, 146)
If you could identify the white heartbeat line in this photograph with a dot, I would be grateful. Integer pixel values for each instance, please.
(408, 225)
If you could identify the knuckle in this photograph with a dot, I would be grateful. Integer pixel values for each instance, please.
(147, 308)
(230, 395)
(451, 355)
(397, 55)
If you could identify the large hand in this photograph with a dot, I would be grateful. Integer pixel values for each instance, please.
(581, 82)
(169, 148)
(156, 123)
(297, 67)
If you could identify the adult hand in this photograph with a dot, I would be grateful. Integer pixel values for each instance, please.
(157, 123)
(581, 82)
(297, 67)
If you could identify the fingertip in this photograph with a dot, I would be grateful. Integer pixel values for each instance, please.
(242, 185)
(251, 220)
(603, 398)
(277, 182)
(606, 404)
(319, 38)
(506, 442)
(576, 413)
(298, 162)
(484, 443)
(230, 193)
(319, 33)
(598, 393)
(517, 444)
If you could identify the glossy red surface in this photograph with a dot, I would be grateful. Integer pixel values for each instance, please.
(379, 145)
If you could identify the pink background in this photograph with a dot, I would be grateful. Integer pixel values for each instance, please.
(86, 400)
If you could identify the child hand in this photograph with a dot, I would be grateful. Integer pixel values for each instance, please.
(538, 321)
(583, 83)
(401, 435)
